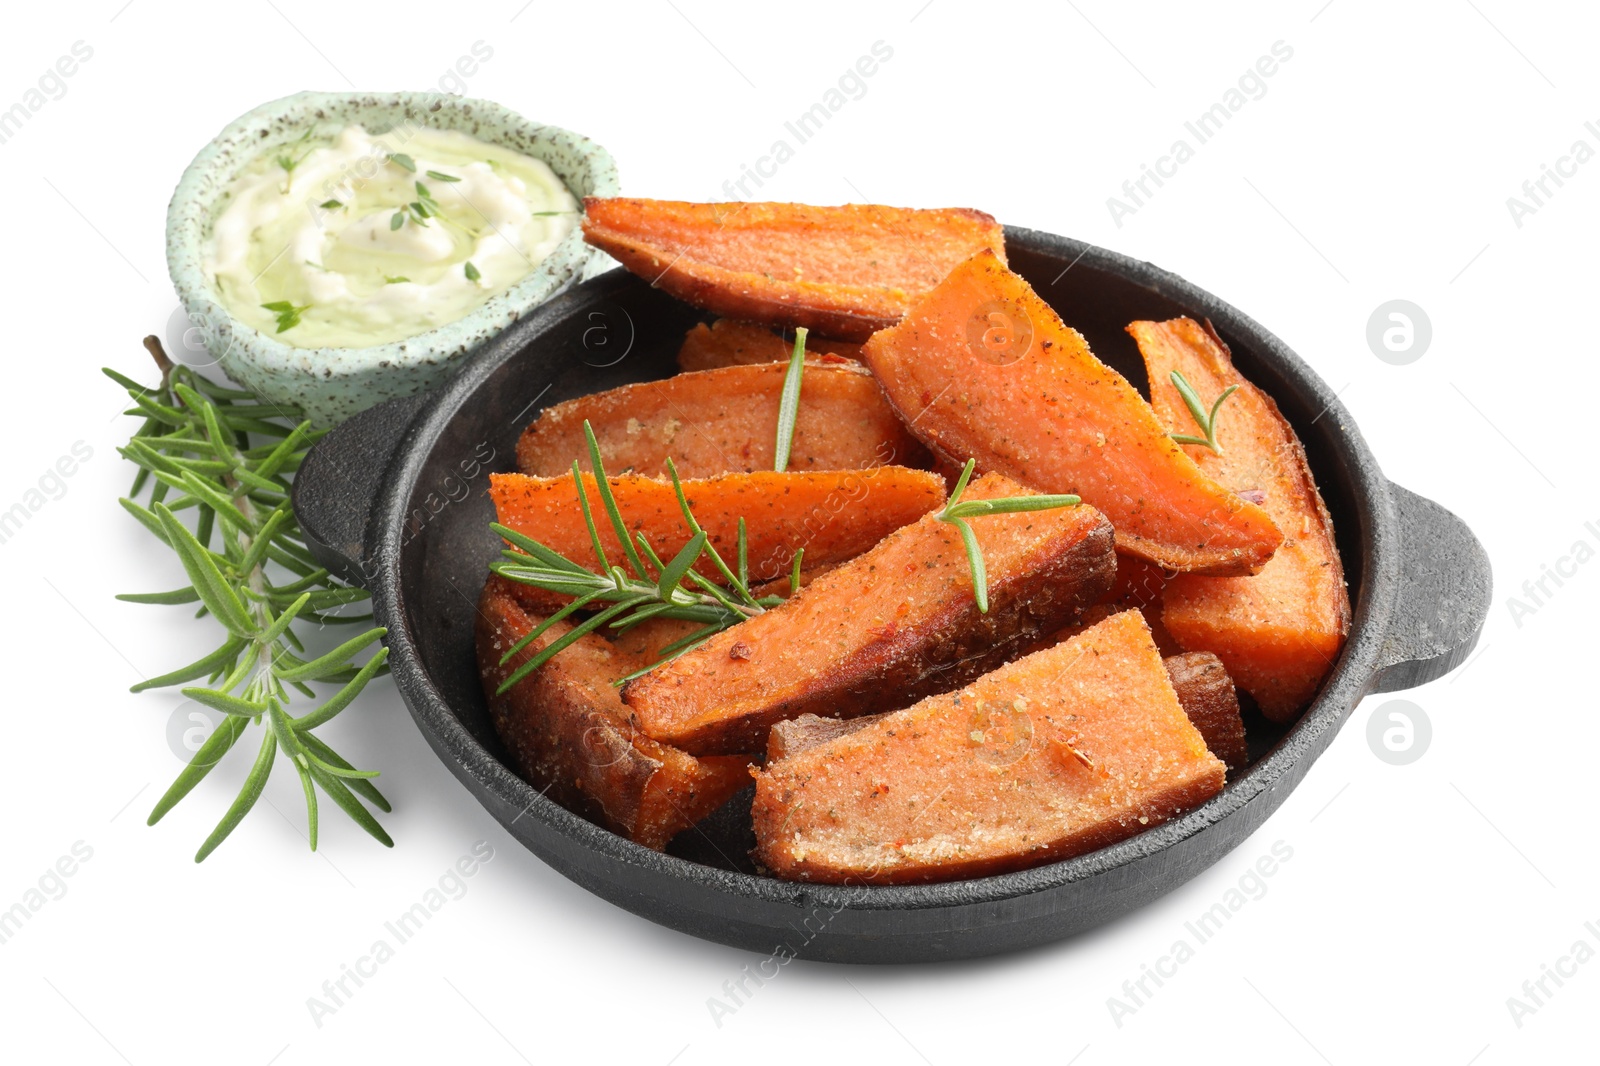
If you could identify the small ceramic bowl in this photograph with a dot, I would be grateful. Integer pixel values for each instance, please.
(331, 384)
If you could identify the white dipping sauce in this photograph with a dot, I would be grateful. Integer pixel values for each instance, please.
(336, 234)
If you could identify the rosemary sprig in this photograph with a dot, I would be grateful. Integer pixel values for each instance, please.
(1207, 421)
(789, 401)
(633, 594)
(957, 511)
(195, 453)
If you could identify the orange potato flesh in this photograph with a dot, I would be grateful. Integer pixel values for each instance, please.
(984, 369)
(1204, 691)
(833, 515)
(839, 271)
(714, 421)
(1278, 632)
(1054, 755)
(569, 735)
(884, 629)
(729, 343)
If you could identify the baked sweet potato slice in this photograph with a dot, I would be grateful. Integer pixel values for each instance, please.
(833, 515)
(729, 343)
(1202, 685)
(714, 421)
(883, 630)
(1206, 694)
(984, 369)
(1278, 632)
(569, 735)
(839, 271)
(1056, 754)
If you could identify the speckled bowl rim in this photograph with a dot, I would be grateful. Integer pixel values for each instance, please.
(189, 219)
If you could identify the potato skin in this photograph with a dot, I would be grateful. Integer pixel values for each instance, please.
(1204, 690)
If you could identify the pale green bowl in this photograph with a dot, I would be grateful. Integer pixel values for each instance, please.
(331, 384)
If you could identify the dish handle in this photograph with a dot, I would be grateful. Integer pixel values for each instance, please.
(336, 488)
(1445, 590)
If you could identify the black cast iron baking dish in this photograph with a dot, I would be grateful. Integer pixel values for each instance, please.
(395, 500)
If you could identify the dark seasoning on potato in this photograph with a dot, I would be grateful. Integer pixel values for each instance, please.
(897, 729)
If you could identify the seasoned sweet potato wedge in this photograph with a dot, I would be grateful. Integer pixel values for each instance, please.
(833, 515)
(729, 343)
(569, 735)
(1202, 685)
(1279, 631)
(839, 271)
(713, 421)
(984, 369)
(884, 629)
(1206, 693)
(1056, 754)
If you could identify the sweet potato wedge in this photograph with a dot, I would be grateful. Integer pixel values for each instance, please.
(729, 343)
(1206, 693)
(883, 630)
(839, 271)
(1056, 754)
(568, 733)
(984, 369)
(833, 515)
(713, 421)
(1202, 685)
(1279, 631)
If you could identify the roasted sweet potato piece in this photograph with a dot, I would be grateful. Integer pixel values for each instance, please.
(983, 369)
(569, 735)
(833, 515)
(729, 343)
(884, 629)
(1202, 685)
(713, 421)
(839, 271)
(1056, 754)
(1279, 631)
(1206, 694)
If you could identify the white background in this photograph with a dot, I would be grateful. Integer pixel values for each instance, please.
(1377, 166)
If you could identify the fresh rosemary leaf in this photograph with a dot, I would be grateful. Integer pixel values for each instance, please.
(980, 572)
(205, 757)
(362, 787)
(603, 486)
(673, 574)
(253, 784)
(171, 599)
(789, 401)
(340, 794)
(341, 699)
(221, 701)
(1206, 420)
(324, 665)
